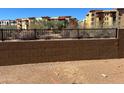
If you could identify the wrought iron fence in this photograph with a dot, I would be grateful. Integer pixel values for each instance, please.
(33, 34)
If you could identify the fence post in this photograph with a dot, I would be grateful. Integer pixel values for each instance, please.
(2, 35)
(116, 33)
(35, 34)
(78, 34)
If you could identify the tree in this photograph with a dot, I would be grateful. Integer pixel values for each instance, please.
(37, 24)
(42, 24)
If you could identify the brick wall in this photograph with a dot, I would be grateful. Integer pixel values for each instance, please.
(12, 53)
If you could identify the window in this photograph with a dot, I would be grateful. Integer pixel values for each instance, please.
(106, 18)
(106, 23)
(92, 14)
(114, 18)
(120, 14)
(92, 19)
(7, 23)
(87, 15)
(106, 14)
(100, 18)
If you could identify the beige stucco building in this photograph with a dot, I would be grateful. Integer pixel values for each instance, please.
(101, 19)
(120, 18)
(22, 23)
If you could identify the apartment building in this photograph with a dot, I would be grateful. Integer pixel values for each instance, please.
(73, 23)
(7, 23)
(82, 24)
(22, 23)
(101, 19)
(27, 23)
(120, 17)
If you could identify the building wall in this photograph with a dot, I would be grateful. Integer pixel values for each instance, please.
(73, 23)
(120, 18)
(109, 15)
(110, 22)
(7, 23)
(122, 21)
(19, 23)
(23, 23)
(88, 20)
(100, 19)
(81, 24)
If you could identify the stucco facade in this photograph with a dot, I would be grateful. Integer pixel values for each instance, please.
(101, 19)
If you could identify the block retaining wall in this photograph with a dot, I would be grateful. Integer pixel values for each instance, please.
(13, 53)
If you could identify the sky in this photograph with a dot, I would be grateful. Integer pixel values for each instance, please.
(14, 13)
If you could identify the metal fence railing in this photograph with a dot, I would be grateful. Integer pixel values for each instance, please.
(33, 34)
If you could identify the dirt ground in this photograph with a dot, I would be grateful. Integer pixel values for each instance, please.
(70, 72)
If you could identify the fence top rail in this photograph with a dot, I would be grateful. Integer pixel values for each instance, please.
(57, 40)
(67, 29)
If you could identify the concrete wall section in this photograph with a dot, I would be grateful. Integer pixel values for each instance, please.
(121, 43)
(64, 50)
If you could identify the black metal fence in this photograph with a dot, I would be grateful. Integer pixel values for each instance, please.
(33, 34)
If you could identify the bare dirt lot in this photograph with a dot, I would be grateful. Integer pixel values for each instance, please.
(70, 72)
